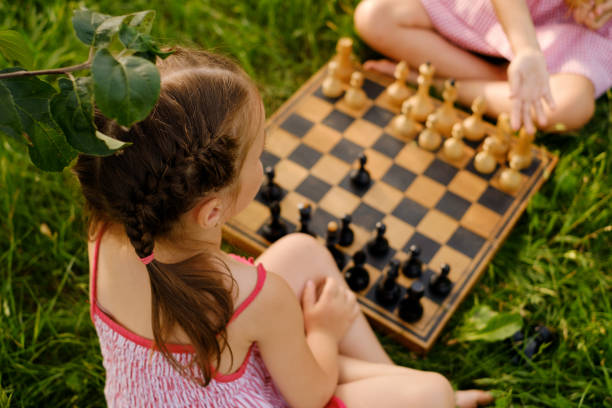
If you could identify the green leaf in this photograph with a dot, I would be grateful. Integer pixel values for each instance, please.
(48, 147)
(485, 324)
(10, 123)
(143, 44)
(143, 20)
(72, 109)
(106, 30)
(125, 89)
(15, 47)
(112, 144)
(85, 23)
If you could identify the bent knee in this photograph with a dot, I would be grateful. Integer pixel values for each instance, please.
(377, 20)
(439, 391)
(575, 103)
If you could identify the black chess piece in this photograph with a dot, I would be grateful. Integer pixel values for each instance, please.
(346, 233)
(276, 228)
(379, 245)
(413, 266)
(330, 243)
(441, 285)
(360, 177)
(271, 191)
(410, 309)
(388, 291)
(543, 336)
(357, 277)
(305, 214)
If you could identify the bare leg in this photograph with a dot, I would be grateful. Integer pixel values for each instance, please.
(400, 386)
(408, 35)
(299, 258)
(402, 30)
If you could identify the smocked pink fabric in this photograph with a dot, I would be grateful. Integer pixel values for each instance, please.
(138, 376)
(567, 46)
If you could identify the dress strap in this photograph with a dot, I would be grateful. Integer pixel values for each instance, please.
(94, 273)
(261, 278)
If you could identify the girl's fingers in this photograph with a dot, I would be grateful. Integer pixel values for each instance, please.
(514, 80)
(539, 110)
(515, 115)
(550, 101)
(527, 122)
(603, 8)
(602, 20)
(308, 295)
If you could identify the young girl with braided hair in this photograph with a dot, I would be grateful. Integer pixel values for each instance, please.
(183, 324)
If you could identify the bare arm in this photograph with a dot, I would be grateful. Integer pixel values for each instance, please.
(304, 367)
(527, 73)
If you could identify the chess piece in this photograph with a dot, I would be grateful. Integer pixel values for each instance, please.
(355, 97)
(421, 102)
(330, 243)
(413, 266)
(446, 114)
(360, 178)
(357, 276)
(271, 191)
(346, 66)
(305, 214)
(404, 125)
(441, 285)
(410, 309)
(453, 146)
(510, 178)
(346, 233)
(332, 86)
(474, 125)
(485, 161)
(501, 138)
(398, 90)
(521, 153)
(533, 344)
(276, 228)
(379, 245)
(430, 139)
(388, 292)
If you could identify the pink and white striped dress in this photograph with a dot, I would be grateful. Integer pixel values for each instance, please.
(138, 376)
(568, 46)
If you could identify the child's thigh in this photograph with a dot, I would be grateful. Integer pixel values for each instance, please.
(383, 14)
(423, 391)
(297, 258)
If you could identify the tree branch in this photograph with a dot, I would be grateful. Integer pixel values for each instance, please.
(55, 71)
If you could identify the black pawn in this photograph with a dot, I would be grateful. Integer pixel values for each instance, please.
(410, 308)
(379, 246)
(361, 177)
(271, 191)
(276, 228)
(346, 233)
(330, 243)
(441, 285)
(413, 266)
(388, 291)
(305, 213)
(357, 277)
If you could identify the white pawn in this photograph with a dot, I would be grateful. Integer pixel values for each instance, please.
(485, 161)
(332, 86)
(355, 97)
(522, 151)
(430, 139)
(398, 90)
(344, 48)
(404, 125)
(474, 125)
(510, 178)
(453, 146)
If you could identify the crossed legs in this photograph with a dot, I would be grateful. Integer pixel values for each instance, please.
(408, 34)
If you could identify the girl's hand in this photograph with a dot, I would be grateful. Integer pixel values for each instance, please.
(529, 84)
(598, 15)
(334, 310)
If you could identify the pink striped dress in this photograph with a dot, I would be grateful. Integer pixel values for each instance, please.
(138, 376)
(568, 46)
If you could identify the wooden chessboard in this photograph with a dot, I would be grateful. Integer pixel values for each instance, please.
(453, 213)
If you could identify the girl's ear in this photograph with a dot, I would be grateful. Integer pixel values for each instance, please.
(209, 212)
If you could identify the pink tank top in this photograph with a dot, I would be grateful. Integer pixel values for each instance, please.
(138, 376)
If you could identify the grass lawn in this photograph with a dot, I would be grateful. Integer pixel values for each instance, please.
(554, 269)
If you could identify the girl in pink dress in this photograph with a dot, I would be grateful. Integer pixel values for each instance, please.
(559, 58)
(183, 324)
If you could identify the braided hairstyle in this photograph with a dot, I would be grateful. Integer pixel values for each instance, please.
(194, 142)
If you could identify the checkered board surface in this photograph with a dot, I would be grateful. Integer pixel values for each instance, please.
(453, 213)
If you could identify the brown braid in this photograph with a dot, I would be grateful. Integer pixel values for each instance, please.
(194, 142)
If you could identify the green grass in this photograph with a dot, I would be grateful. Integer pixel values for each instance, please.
(555, 267)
